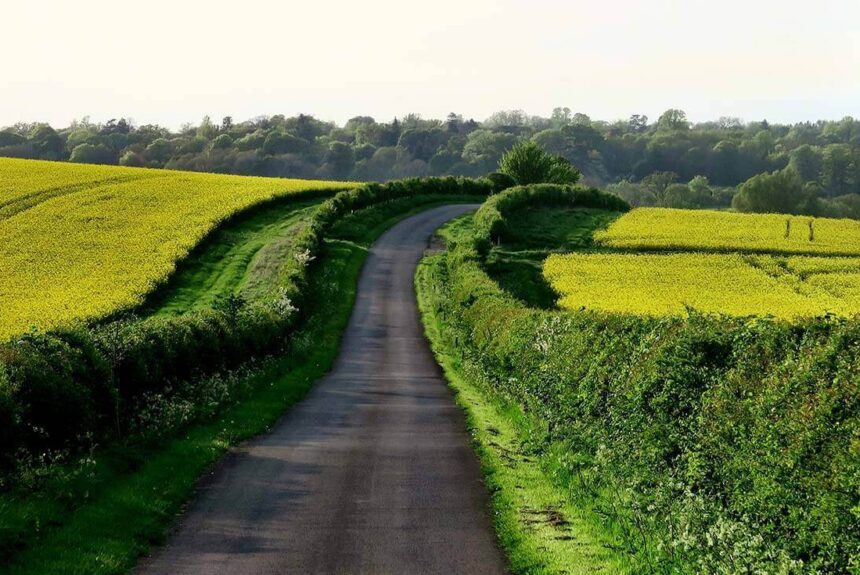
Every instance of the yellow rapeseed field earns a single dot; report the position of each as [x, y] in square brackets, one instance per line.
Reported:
[657, 285]
[80, 242]
[714, 262]
[664, 228]
[809, 265]
[25, 183]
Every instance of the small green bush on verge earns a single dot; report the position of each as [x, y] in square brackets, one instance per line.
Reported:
[527, 163]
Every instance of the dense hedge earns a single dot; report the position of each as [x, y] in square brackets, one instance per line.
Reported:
[714, 445]
[491, 218]
[66, 389]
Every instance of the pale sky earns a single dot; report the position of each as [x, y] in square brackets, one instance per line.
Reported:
[172, 61]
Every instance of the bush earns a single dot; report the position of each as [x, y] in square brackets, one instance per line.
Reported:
[501, 181]
[10, 417]
[51, 384]
[527, 163]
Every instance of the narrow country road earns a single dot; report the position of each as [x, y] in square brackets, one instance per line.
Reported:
[371, 473]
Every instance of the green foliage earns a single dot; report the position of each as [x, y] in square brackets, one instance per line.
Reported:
[806, 162]
[8, 138]
[839, 168]
[658, 183]
[92, 154]
[46, 142]
[222, 142]
[711, 445]
[159, 151]
[527, 163]
[698, 193]
[779, 192]
[252, 141]
[501, 181]
[672, 120]
[282, 142]
[485, 147]
[132, 159]
[492, 218]
[339, 160]
[562, 172]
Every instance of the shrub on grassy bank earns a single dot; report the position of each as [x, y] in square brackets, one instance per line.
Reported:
[527, 163]
[65, 390]
[713, 445]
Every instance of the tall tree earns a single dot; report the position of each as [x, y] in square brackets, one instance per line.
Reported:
[638, 123]
[806, 161]
[658, 183]
[837, 169]
[673, 120]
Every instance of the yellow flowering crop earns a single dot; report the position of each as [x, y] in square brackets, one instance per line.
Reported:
[657, 285]
[810, 265]
[25, 183]
[80, 242]
[664, 228]
[728, 263]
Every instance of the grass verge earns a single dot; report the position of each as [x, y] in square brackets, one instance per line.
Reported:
[541, 529]
[133, 494]
[239, 258]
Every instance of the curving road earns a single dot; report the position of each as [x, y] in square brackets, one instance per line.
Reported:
[372, 473]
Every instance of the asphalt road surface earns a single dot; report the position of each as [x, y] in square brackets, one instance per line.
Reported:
[371, 473]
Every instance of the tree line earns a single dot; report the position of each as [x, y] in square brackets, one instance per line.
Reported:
[802, 168]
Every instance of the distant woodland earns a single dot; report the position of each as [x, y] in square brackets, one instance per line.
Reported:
[809, 168]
